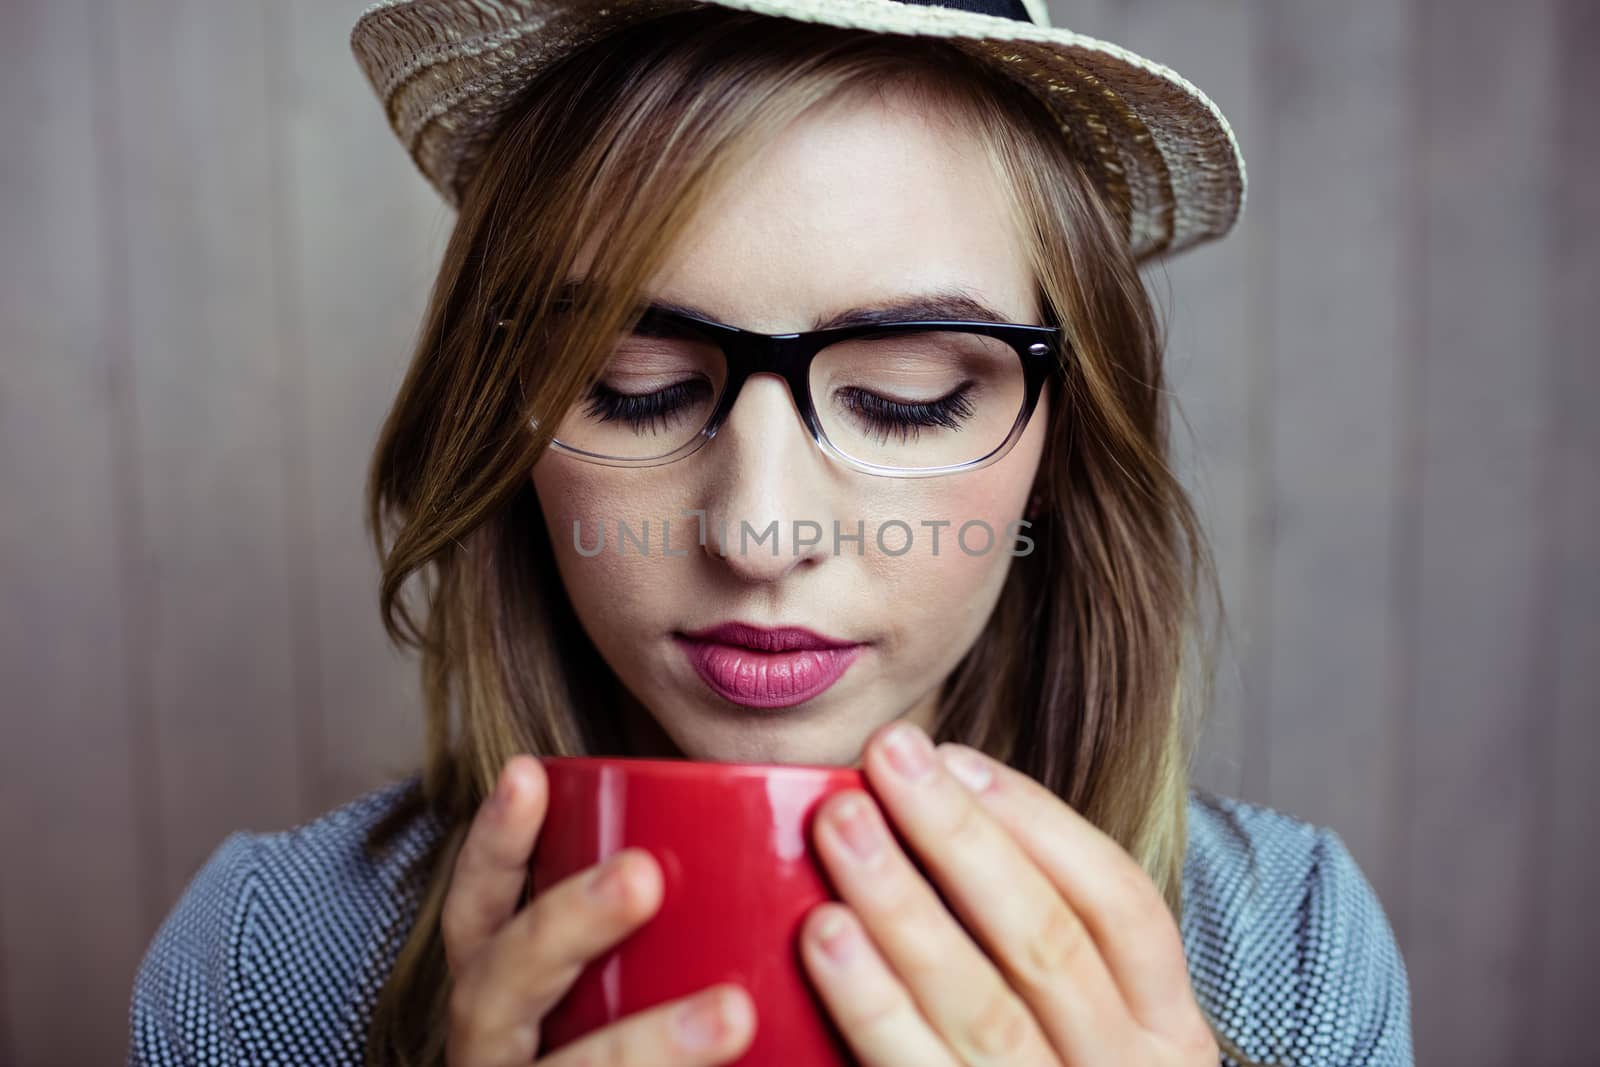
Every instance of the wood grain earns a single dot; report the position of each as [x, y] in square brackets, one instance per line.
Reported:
[206, 388]
[1217, 355]
[74, 806]
[1478, 687]
[1338, 411]
[363, 238]
[1565, 874]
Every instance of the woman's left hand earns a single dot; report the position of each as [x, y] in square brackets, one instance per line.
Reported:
[1080, 961]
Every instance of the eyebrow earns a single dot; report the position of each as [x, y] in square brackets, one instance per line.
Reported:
[948, 304]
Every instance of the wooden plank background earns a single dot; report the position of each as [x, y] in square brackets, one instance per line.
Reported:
[215, 258]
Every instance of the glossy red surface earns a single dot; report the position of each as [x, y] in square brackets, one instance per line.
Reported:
[734, 844]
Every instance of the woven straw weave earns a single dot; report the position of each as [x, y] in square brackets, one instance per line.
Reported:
[448, 70]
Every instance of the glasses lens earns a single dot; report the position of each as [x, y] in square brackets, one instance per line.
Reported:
[916, 400]
[652, 398]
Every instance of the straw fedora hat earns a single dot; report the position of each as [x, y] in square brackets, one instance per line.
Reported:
[448, 70]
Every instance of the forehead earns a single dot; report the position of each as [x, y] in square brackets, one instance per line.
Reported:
[858, 202]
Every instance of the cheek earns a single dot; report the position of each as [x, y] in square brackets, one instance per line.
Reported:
[939, 603]
[614, 593]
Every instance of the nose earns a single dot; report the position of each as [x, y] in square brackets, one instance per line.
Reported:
[770, 497]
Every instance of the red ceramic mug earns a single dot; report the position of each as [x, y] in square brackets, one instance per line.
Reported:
[740, 874]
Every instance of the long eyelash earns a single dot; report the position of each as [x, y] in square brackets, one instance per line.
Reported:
[891, 416]
[608, 405]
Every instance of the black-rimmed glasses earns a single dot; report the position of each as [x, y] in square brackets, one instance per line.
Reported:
[900, 399]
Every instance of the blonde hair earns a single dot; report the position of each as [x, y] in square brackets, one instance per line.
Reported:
[1078, 680]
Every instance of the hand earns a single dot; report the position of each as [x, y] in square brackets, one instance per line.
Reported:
[1077, 959]
[510, 967]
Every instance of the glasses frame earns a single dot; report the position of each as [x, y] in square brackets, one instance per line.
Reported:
[789, 356]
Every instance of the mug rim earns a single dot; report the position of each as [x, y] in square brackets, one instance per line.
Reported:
[689, 768]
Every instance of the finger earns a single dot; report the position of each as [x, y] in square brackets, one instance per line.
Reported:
[872, 1008]
[952, 981]
[713, 1026]
[536, 958]
[1030, 929]
[492, 866]
[1122, 908]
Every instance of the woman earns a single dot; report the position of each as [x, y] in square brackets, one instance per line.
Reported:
[676, 301]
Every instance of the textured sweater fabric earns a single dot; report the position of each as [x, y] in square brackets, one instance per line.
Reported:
[276, 951]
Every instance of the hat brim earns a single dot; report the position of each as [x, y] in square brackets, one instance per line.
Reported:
[448, 70]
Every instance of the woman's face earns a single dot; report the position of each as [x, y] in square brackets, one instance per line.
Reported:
[858, 205]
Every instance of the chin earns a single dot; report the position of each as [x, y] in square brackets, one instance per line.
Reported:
[767, 737]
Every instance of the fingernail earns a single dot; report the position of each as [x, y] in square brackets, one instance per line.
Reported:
[504, 791]
[835, 937]
[910, 752]
[855, 826]
[705, 1022]
[606, 884]
[968, 767]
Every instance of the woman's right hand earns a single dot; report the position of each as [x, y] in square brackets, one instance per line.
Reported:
[510, 966]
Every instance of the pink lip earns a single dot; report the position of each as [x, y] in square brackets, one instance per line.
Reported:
[763, 639]
[767, 668]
